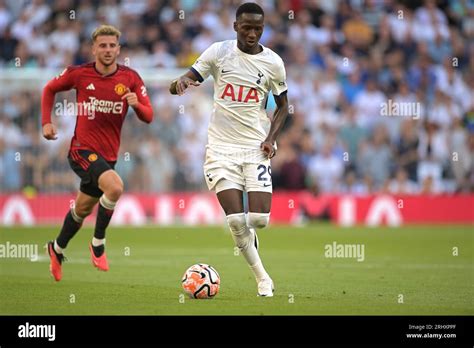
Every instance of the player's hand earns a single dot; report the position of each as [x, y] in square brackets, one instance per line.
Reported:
[268, 149]
[183, 83]
[131, 97]
[49, 131]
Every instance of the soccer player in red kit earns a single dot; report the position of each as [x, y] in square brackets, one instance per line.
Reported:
[104, 91]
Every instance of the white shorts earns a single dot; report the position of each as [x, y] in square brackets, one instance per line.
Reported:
[247, 169]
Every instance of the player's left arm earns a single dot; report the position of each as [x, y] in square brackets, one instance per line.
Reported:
[279, 89]
[138, 99]
[279, 118]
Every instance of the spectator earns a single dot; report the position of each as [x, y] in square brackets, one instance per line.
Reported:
[368, 104]
[22, 28]
[354, 59]
[10, 175]
[292, 172]
[37, 13]
[443, 111]
[461, 158]
[162, 167]
[401, 184]
[352, 185]
[326, 170]
[432, 21]
[352, 86]
[351, 135]
[64, 38]
[375, 157]
[57, 176]
[5, 17]
[358, 32]
[407, 149]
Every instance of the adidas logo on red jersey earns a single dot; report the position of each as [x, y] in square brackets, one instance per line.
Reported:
[91, 87]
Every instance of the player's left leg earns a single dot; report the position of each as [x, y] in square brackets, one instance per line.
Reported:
[110, 183]
[258, 184]
[258, 217]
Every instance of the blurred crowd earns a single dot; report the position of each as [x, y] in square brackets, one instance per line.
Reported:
[381, 92]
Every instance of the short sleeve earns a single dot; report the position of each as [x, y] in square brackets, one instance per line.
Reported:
[205, 63]
[278, 82]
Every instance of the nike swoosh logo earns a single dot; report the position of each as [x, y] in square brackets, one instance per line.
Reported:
[266, 185]
[225, 71]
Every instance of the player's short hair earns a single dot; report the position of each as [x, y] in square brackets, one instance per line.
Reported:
[106, 30]
[249, 7]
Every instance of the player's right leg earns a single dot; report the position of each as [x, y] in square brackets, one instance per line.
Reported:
[72, 223]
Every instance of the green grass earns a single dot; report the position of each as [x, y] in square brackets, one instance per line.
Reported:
[415, 261]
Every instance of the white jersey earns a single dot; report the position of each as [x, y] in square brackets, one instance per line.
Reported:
[242, 83]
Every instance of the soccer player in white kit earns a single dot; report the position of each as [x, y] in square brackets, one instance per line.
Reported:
[241, 137]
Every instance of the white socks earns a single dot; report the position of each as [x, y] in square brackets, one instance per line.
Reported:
[259, 271]
[57, 248]
[107, 203]
[97, 242]
[76, 217]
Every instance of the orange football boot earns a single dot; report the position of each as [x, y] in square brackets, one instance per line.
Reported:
[55, 263]
[99, 262]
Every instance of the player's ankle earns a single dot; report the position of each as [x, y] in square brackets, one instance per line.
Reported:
[57, 249]
[98, 250]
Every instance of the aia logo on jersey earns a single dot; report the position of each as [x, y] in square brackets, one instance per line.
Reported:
[240, 93]
[120, 89]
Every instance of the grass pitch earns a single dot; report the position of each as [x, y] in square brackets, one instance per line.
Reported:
[406, 271]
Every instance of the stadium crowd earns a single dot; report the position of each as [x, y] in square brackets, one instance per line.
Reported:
[381, 92]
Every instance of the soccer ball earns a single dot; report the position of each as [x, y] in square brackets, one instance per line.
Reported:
[201, 281]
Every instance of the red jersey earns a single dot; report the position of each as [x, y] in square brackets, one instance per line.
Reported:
[100, 109]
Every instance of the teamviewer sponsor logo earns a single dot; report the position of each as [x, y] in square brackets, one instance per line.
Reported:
[21, 251]
[105, 106]
[37, 331]
[345, 251]
[89, 108]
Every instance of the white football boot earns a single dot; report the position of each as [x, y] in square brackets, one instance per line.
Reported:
[265, 288]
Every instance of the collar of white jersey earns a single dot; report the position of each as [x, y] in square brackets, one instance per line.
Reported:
[247, 54]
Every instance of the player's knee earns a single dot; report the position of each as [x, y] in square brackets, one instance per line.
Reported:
[82, 210]
[111, 184]
[259, 220]
[79, 214]
[114, 191]
[240, 233]
[237, 223]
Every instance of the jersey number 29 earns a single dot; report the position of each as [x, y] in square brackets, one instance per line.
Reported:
[262, 169]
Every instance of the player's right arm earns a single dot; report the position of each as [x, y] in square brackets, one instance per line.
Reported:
[63, 82]
[201, 69]
[179, 85]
